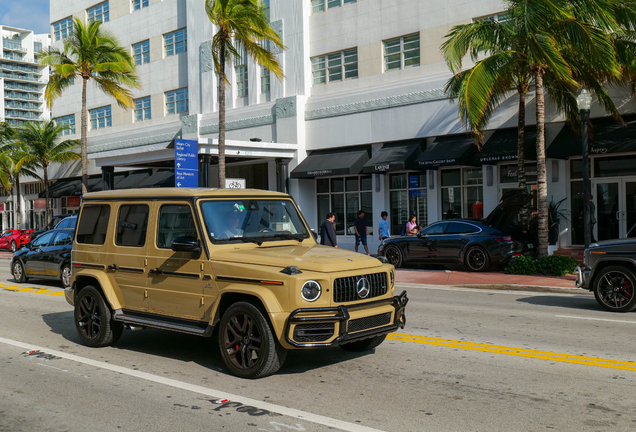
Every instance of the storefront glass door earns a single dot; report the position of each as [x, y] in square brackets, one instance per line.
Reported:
[615, 209]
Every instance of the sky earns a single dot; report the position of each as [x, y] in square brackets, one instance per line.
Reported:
[26, 14]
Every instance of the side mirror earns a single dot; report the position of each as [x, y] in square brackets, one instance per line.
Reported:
[186, 244]
[314, 234]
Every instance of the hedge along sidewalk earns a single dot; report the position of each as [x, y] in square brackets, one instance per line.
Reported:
[553, 265]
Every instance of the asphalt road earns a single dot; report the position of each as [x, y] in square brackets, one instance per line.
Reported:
[469, 360]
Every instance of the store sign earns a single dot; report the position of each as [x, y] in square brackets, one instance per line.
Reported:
[382, 167]
[235, 183]
[39, 204]
[186, 163]
[73, 201]
[438, 162]
[319, 173]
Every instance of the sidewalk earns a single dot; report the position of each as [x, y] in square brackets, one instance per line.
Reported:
[489, 280]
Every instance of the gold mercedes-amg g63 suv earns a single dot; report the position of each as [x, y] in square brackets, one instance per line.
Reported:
[242, 263]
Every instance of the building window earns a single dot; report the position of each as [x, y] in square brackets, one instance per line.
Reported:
[69, 121]
[101, 117]
[319, 5]
[141, 52]
[333, 67]
[138, 4]
[266, 7]
[265, 81]
[177, 101]
[176, 42]
[241, 81]
[500, 17]
[462, 193]
[408, 197]
[63, 28]
[98, 13]
[345, 196]
[142, 109]
[402, 52]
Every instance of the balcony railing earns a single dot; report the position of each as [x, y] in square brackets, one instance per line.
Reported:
[9, 75]
[19, 86]
[12, 44]
[23, 96]
[19, 68]
[23, 105]
[21, 114]
[14, 56]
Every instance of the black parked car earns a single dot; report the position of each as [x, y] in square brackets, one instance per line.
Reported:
[46, 257]
[476, 244]
[609, 269]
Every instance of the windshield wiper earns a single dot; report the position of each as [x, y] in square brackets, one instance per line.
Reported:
[298, 237]
[241, 239]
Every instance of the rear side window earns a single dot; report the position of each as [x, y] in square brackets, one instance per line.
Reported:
[93, 224]
[174, 221]
[460, 228]
[132, 224]
[69, 222]
[62, 238]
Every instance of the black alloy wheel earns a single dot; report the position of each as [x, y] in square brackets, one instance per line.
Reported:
[247, 344]
[93, 319]
[14, 246]
[393, 255]
[614, 289]
[477, 259]
[363, 345]
[65, 275]
[18, 272]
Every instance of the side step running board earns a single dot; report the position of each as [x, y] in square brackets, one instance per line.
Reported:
[157, 323]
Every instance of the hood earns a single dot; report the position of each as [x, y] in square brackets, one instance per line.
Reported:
[622, 245]
[311, 258]
[505, 214]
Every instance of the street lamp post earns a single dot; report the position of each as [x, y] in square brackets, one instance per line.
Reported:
[584, 102]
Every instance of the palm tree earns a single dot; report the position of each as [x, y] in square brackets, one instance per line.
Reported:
[242, 25]
[91, 54]
[43, 146]
[14, 163]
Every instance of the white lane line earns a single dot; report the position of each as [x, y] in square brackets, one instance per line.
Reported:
[217, 394]
[595, 319]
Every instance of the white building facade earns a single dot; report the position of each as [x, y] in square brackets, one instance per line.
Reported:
[360, 121]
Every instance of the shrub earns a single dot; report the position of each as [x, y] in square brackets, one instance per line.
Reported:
[521, 265]
[556, 265]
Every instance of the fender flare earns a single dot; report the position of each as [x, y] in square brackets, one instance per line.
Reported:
[265, 296]
[102, 280]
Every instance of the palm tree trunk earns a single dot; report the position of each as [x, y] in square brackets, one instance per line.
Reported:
[46, 194]
[222, 118]
[542, 185]
[521, 160]
[18, 216]
[83, 139]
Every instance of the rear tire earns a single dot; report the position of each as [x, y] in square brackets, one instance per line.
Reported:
[393, 255]
[94, 319]
[363, 345]
[18, 272]
[477, 259]
[614, 289]
[65, 276]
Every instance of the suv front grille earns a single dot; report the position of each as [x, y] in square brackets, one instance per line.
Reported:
[344, 289]
[313, 332]
[366, 323]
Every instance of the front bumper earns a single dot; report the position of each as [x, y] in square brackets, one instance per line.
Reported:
[323, 326]
[583, 277]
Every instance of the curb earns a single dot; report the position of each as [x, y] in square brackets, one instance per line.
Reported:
[510, 287]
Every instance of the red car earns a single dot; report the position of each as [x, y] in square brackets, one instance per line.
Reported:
[15, 239]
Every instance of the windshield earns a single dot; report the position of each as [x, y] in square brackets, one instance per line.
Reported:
[251, 220]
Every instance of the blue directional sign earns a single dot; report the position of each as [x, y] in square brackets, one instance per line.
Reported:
[186, 163]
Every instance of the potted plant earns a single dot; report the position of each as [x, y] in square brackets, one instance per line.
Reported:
[555, 214]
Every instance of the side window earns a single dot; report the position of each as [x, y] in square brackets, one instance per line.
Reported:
[43, 240]
[63, 238]
[174, 221]
[132, 224]
[460, 228]
[437, 228]
[65, 223]
[93, 224]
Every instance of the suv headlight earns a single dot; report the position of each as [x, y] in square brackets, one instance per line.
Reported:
[593, 245]
[392, 278]
[311, 290]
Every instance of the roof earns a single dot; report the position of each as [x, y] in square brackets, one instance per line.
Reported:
[181, 192]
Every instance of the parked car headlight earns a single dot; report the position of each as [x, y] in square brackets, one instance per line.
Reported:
[594, 245]
[392, 278]
[311, 290]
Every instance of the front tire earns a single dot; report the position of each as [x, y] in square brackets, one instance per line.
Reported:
[14, 246]
[363, 345]
[247, 344]
[394, 256]
[18, 272]
[94, 320]
[65, 276]
[477, 259]
[614, 289]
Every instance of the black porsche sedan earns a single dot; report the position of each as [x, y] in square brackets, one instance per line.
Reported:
[476, 244]
[46, 257]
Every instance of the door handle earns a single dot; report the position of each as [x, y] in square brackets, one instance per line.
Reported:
[618, 215]
[154, 271]
[112, 267]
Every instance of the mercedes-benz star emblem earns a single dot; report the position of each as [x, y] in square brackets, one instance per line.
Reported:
[363, 287]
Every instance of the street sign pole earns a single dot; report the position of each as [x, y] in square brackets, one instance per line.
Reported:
[186, 163]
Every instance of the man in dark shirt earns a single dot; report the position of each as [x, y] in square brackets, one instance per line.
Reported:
[327, 231]
[360, 225]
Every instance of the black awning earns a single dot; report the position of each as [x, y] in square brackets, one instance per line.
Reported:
[72, 187]
[162, 178]
[502, 146]
[606, 136]
[448, 150]
[133, 179]
[395, 157]
[345, 161]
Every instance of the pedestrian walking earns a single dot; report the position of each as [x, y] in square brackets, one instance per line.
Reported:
[360, 225]
[327, 231]
[383, 226]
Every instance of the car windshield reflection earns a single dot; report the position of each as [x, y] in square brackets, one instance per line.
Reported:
[252, 221]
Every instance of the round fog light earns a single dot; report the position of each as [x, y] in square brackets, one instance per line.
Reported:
[311, 290]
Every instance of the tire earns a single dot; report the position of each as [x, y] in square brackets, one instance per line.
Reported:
[394, 256]
[14, 246]
[18, 272]
[363, 345]
[65, 276]
[94, 320]
[477, 259]
[244, 333]
[614, 289]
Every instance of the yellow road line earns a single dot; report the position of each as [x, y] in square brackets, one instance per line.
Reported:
[32, 290]
[518, 352]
